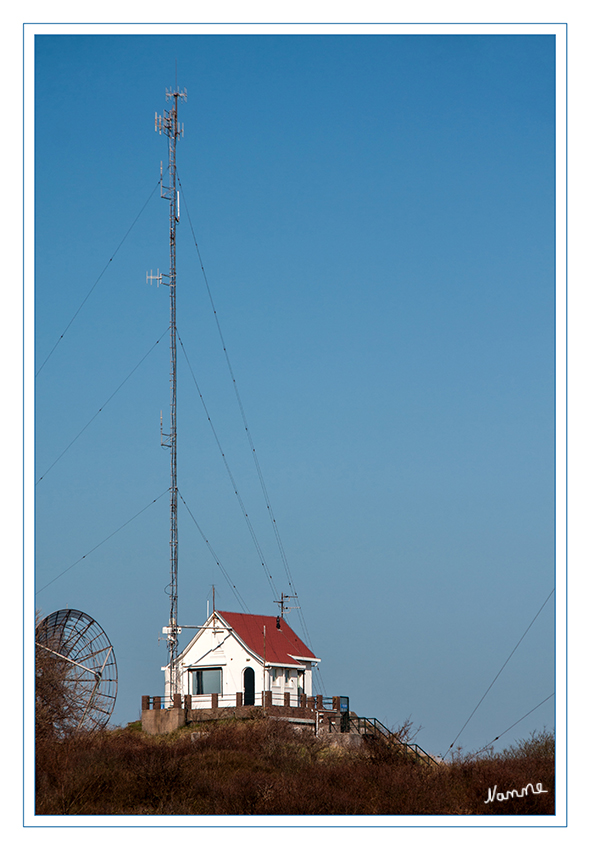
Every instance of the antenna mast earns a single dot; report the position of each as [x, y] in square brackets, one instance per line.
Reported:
[168, 123]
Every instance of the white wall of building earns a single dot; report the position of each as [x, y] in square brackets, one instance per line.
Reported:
[218, 647]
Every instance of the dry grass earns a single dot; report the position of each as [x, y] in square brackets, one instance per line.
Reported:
[266, 767]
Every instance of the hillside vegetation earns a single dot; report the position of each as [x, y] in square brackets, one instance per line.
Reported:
[265, 767]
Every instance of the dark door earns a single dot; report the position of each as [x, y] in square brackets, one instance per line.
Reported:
[248, 686]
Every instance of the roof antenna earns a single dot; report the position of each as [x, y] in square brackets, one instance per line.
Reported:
[281, 603]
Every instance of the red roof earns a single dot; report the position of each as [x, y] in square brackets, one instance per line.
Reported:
[283, 647]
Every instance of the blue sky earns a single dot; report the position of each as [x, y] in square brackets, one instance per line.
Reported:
[375, 216]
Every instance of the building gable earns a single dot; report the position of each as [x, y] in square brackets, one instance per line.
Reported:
[258, 634]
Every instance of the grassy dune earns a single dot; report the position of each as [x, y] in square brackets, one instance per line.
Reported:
[265, 767]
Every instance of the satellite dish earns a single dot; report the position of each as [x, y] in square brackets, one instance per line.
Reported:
[88, 673]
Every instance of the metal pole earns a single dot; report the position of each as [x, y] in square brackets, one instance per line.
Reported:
[169, 123]
[264, 669]
[173, 646]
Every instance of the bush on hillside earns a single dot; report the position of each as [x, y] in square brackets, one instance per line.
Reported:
[267, 767]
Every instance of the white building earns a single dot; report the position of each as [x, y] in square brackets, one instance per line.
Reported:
[238, 656]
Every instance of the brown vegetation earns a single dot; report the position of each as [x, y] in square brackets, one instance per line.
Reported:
[266, 767]
[52, 706]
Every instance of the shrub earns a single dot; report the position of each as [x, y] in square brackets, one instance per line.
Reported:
[266, 767]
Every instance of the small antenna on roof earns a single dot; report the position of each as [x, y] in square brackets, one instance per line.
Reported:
[281, 603]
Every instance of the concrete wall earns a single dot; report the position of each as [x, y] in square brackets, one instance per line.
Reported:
[341, 739]
[160, 721]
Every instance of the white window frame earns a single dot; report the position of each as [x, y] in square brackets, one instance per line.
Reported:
[194, 671]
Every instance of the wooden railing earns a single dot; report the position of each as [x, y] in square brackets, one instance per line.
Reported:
[260, 698]
[372, 727]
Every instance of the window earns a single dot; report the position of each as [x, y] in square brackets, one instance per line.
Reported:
[206, 681]
[276, 674]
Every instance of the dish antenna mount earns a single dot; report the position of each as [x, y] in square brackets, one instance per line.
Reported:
[89, 675]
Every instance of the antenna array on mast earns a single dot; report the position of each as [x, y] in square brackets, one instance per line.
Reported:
[168, 123]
